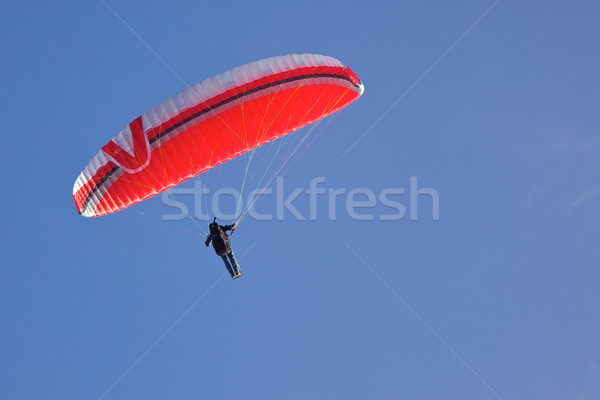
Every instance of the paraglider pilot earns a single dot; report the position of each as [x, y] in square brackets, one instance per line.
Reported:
[220, 240]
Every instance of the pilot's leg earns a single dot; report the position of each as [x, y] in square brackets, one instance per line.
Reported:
[234, 264]
[229, 269]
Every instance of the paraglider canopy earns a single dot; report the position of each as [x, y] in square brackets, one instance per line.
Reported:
[211, 122]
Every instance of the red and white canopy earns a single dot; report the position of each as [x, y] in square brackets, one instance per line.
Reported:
[211, 122]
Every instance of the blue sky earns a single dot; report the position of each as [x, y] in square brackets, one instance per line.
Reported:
[497, 299]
